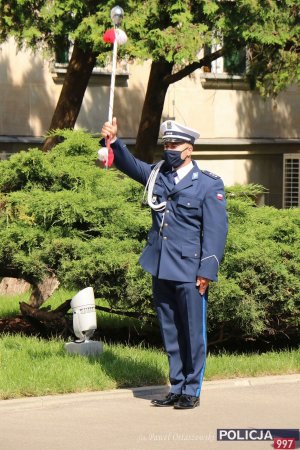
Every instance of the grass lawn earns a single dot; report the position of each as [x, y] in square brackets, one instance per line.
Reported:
[30, 366]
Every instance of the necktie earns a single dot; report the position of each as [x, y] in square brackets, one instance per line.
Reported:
[174, 175]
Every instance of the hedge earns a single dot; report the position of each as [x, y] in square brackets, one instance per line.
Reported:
[60, 213]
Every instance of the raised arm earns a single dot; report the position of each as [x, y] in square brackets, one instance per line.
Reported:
[124, 160]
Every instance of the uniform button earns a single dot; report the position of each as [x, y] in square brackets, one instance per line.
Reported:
[196, 254]
[169, 198]
[188, 203]
[165, 238]
[166, 224]
[167, 211]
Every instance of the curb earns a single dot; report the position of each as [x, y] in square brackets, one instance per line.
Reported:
[140, 392]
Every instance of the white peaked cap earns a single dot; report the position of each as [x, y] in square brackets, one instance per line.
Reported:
[172, 131]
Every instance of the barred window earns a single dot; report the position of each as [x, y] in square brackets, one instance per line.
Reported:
[291, 185]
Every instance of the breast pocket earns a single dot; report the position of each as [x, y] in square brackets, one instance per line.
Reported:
[189, 207]
[188, 203]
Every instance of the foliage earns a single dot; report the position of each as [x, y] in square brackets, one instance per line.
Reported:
[58, 211]
[270, 30]
[259, 284]
[52, 24]
[172, 31]
[176, 31]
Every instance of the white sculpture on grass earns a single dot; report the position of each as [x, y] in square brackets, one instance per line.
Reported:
[84, 314]
[84, 324]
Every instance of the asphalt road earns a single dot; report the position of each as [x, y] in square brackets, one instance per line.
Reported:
[124, 419]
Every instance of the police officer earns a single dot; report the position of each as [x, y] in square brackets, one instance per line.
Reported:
[184, 248]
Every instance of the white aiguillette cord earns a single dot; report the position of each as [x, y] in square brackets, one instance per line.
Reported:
[150, 186]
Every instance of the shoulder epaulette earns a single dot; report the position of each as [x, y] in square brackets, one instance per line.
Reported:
[210, 174]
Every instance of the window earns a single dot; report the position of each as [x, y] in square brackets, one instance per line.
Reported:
[226, 72]
[234, 64]
[291, 181]
[63, 52]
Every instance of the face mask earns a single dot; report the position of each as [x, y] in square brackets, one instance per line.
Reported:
[173, 158]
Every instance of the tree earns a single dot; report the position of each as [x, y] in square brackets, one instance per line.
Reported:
[171, 34]
[69, 103]
[50, 26]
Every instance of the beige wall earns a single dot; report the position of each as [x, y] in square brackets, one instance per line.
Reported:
[243, 166]
[224, 113]
[29, 92]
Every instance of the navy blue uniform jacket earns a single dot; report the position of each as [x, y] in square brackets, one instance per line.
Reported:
[192, 239]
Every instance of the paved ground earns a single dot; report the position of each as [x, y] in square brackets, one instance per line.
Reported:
[125, 420]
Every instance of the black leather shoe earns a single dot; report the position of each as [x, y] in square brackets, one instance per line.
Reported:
[169, 400]
[187, 402]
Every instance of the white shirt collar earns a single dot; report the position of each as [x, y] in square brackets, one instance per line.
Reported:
[183, 171]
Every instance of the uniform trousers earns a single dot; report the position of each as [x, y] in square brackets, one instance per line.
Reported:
[181, 312]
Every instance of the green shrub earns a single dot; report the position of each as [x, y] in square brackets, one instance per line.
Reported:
[258, 293]
[60, 212]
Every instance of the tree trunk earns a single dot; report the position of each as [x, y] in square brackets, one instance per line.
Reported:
[47, 322]
[160, 78]
[43, 290]
[152, 110]
[76, 80]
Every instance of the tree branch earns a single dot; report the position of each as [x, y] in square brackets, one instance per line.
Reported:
[206, 60]
[119, 312]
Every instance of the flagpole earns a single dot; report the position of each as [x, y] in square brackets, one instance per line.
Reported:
[116, 15]
[113, 80]
[114, 36]
[112, 90]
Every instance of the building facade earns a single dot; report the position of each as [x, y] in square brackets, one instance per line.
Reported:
[244, 138]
